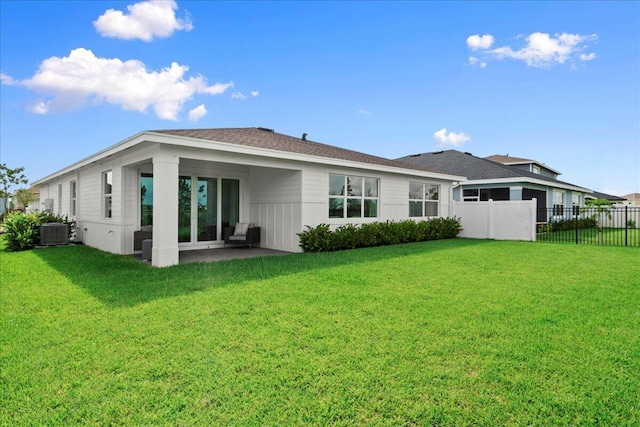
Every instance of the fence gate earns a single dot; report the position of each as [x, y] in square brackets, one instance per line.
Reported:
[602, 225]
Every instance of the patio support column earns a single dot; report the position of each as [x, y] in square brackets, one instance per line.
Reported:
[165, 210]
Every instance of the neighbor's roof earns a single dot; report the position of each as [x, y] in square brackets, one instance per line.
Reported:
[477, 168]
[632, 196]
[609, 197]
[267, 138]
[509, 160]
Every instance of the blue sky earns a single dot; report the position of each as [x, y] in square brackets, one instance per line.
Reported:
[558, 82]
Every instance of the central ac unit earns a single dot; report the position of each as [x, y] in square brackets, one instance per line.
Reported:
[54, 233]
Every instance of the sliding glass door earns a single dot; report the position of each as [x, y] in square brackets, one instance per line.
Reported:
[205, 206]
[184, 209]
[207, 209]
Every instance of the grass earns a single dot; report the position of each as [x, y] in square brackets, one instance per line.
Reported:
[455, 332]
[591, 236]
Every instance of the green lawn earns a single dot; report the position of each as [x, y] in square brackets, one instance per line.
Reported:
[591, 236]
[455, 332]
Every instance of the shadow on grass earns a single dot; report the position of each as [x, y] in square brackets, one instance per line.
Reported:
[121, 281]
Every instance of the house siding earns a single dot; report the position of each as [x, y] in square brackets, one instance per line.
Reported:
[276, 206]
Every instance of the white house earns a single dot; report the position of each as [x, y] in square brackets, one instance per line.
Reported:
[189, 184]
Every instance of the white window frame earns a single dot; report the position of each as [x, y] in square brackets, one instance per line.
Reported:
[73, 194]
[536, 169]
[558, 203]
[425, 199]
[60, 199]
[107, 194]
[363, 198]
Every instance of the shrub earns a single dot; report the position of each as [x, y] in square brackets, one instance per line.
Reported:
[570, 224]
[349, 236]
[22, 230]
[631, 223]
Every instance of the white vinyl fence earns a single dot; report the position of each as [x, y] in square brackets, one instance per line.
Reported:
[499, 220]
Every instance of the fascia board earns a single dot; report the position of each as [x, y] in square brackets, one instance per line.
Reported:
[529, 180]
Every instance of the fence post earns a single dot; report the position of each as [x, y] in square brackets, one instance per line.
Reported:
[576, 211]
[626, 225]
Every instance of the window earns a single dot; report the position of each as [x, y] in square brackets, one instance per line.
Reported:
[558, 203]
[576, 199]
[470, 195]
[73, 187]
[536, 169]
[423, 199]
[107, 188]
[485, 194]
[494, 194]
[146, 199]
[353, 196]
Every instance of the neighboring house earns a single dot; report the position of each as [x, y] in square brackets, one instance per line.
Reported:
[504, 178]
[35, 205]
[632, 199]
[189, 184]
[597, 195]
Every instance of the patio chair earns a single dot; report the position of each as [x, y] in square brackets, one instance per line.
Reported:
[242, 234]
[145, 232]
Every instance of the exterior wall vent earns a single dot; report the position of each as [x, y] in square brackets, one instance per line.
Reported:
[54, 233]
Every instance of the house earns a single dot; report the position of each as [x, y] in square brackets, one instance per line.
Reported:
[503, 178]
[632, 199]
[188, 184]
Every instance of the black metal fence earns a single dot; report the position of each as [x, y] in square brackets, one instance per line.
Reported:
[616, 226]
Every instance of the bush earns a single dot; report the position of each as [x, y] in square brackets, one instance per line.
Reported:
[22, 230]
[570, 224]
[349, 236]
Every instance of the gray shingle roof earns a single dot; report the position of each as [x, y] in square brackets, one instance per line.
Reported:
[267, 138]
[474, 168]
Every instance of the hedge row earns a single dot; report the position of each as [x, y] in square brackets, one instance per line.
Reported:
[570, 224]
[22, 230]
[322, 239]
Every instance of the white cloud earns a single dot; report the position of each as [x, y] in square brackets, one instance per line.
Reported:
[589, 57]
[40, 107]
[475, 61]
[255, 93]
[366, 112]
[542, 50]
[6, 79]
[197, 113]
[238, 95]
[451, 138]
[144, 20]
[477, 41]
[82, 78]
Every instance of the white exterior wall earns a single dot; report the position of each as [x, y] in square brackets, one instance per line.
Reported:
[93, 229]
[275, 206]
[500, 220]
[393, 196]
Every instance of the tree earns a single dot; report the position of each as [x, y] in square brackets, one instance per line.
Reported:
[24, 197]
[9, 178]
